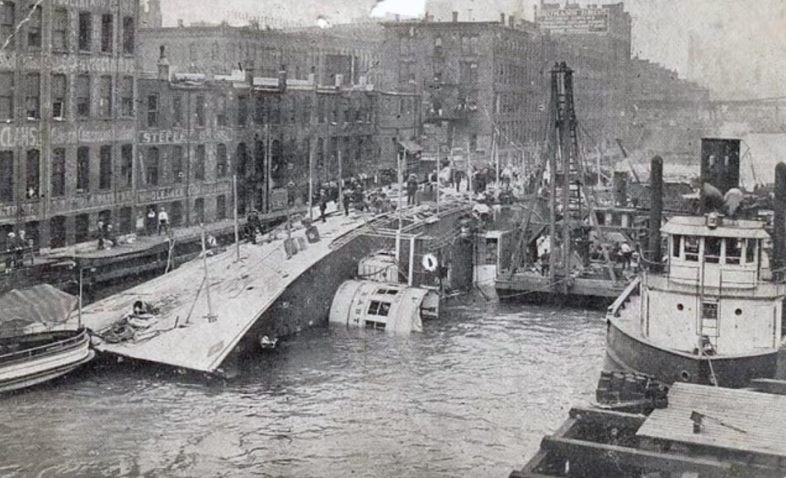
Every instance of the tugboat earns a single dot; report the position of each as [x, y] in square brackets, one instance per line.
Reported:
[712, 310]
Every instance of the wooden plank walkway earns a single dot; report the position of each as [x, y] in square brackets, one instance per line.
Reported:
[739, 420]
[240, 292]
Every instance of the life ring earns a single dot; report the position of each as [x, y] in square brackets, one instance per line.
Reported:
[430, 262]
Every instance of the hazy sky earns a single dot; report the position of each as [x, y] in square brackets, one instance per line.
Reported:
[741, 43]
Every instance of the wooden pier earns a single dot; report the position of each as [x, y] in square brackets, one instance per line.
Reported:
[704, 431]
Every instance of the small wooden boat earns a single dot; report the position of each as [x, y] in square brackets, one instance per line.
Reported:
[38, 339]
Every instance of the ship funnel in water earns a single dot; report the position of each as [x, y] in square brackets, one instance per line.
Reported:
[720, 171]
[779, 223]
[656, 211]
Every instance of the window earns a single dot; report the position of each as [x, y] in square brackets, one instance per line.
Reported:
[199, 210]
[151, 167]
[106, 33]
[438, 46]
[82, 169]
[177, 164]
[221, 160]
[152, 111]
[34, 28]
[58, 96]
[105, 167]
[58, 172]
[32, 170]
[387, 291]
[127, 96]
[128, 35]
[177, 110]
[712, 250]
[82, 228]
[307, 111]
[105, 97]
[221, 111]
[200, 110]
[33, 96]
[321, 109]
[734, 250]
[6, 95]
[750, 251]
[379, 308]
[85, 31]
[709, 310]
[275, 113]
[7, 22]
[60, 29]
[691, 246]
[404, 46]
[199, 163]
[242, 110]
[6, 176]
[126, 165]
[469, 72]
[676, 242]
[83, 96]
[293, 111]
[221, 207]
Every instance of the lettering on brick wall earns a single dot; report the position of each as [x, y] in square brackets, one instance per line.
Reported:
[18, 136]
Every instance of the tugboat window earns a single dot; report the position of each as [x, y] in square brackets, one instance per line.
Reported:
[734, 250]
[676, 242]
[738, 312]
[680, 307]
[691, 245]
[709, 310]
[750, 251]
[712, 250]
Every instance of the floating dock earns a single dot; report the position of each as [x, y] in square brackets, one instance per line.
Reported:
[703, 431]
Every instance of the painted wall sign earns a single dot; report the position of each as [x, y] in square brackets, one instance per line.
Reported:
[161, 194]
[12, 136]
[574, 20]
[180, 136]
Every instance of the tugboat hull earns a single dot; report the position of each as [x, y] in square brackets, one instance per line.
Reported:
[629, 353]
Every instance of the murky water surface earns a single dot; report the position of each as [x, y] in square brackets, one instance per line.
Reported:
[471, 396]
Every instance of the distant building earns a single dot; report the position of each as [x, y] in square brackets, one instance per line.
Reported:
[595, 41]
[67, 118]
[346, 51]
[150, 14]
[476, 82]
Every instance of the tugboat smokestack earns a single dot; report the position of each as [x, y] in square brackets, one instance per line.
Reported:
[779, 222]
[656, 211]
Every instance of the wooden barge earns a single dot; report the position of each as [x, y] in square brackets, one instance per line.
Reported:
[702, 431]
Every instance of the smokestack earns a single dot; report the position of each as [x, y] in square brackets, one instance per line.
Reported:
[656, 211]
[455, 16]
[779, 222]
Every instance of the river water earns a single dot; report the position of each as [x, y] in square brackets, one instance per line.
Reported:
[470, 396]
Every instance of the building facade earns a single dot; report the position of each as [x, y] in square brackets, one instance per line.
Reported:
[477, 83]
[67, 117]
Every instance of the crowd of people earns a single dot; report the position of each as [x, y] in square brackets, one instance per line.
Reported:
[16, 246]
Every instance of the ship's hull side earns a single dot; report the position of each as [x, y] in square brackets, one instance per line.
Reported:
[630, 353]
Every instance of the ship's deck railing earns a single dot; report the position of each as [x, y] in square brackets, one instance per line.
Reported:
[757, 289]
[41, 350]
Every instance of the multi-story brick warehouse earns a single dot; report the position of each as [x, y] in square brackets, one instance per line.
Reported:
[476, 81]
[351, 50]
[67, 116]
[185, 139]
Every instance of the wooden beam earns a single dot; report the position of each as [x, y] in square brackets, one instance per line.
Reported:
[608, 417]
[766, 385]
[651, 461]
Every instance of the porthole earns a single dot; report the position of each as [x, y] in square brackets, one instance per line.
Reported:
[685, 376]
[738, 312]
[680, 307]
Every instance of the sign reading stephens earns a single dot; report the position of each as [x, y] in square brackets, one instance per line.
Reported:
[574, 20]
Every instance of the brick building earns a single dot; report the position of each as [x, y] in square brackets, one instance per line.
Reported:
[67, 117]
[185, 139]
[475, 80]
[350, 51]
[595, 41]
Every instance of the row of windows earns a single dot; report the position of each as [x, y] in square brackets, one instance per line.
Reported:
[716, 250]
[267, 110]
[408, 45]
[155, 158]
[30, 17]
[60, 168]
[61, 96]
